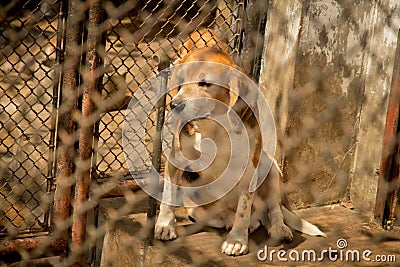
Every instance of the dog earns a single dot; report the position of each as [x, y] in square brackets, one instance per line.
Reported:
[240, 210]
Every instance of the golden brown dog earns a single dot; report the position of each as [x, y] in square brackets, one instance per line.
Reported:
[239, 210]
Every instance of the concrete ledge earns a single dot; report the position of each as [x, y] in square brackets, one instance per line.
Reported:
[195, 246]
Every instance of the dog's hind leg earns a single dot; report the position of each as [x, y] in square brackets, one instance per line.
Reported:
[271, 193]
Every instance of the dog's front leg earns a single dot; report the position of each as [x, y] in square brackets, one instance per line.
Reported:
[165, 225]
[277, 230]
[238, 238]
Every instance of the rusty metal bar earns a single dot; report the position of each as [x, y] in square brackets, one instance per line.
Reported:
[31, 243]
[389, 168]
[38, 262]
[83, 176]
[66, 124]
[96, 136]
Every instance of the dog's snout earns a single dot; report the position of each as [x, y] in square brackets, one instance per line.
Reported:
[177, 105]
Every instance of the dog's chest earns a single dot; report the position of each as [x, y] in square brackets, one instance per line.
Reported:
[228, 158]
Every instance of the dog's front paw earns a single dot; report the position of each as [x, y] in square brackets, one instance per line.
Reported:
[235, 247]
[280, 233]
[165, 232]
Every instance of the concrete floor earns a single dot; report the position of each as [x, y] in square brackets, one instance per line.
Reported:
[123, 245]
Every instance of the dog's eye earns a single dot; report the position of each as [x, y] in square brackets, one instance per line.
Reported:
[204, 84]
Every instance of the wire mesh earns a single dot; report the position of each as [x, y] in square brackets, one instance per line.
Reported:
[28, 55]
[151, 28]
[67, 194]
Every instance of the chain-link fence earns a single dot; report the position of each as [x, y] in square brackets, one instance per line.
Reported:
[70, 69]
[28, 102]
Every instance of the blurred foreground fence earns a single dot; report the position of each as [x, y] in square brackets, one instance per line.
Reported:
[69, 69]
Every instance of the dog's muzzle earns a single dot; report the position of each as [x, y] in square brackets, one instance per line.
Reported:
[192, 109]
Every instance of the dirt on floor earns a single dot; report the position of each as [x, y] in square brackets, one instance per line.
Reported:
[353, 240]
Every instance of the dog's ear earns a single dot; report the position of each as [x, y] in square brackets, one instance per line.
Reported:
[233, 118]
[242, 87]
[242, 99]
[233, 91]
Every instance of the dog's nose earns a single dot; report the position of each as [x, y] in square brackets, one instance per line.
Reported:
[177, 105]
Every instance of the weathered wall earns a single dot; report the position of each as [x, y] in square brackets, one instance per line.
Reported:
[327, 70]
[384, 26]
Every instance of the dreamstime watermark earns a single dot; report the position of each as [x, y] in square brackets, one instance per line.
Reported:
[200, 105]
[340, 254]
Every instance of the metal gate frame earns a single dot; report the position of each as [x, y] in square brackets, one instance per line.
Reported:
[55, 242]
[61, 238]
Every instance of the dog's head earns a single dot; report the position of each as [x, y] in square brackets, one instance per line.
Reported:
[198, 81]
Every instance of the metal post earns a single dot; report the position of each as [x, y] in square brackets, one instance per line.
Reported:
[156, 160]
[83, 176]
[66, 124]
[251, 45]
[388, 184]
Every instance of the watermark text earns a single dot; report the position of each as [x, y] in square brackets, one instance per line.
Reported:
[341, 254]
